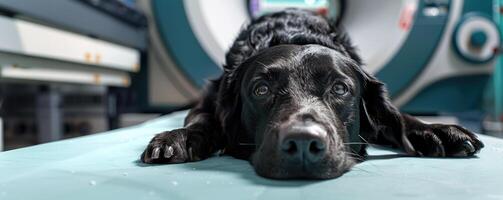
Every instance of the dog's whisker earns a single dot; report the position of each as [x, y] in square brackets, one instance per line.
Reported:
[360, 169]
[376, 171]
[363, 138]
[355, 156]
[355, 143]
[366, 141]
[359, 159]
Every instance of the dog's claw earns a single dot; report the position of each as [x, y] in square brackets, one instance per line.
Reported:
[169, 151]
[155, 153]
[469, 147]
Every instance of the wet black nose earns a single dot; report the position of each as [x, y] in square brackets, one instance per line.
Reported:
[304, 142]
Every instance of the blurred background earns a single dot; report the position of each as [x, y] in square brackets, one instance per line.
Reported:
[70, 68]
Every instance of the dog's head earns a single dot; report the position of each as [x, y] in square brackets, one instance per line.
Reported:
[299, 103]
[301, 106]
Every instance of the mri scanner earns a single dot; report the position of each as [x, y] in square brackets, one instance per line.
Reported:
[434, 55]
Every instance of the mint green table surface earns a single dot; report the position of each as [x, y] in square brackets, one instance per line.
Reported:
[106, 166]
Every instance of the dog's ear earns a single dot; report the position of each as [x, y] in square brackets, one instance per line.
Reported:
[228, 103]
[228, 111]
[379, 118]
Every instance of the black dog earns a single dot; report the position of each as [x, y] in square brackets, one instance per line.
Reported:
[295, 100]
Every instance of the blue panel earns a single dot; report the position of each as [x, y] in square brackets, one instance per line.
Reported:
[415, 53]
[498, 88]
[498, 75]
[481, 6]
[455, 94]
[181, 42]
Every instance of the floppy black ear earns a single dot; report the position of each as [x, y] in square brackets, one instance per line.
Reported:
[380, 120]
[228, 110]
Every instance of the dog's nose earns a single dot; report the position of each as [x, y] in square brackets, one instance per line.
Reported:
[303, 142]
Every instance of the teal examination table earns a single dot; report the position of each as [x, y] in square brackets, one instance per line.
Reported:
[106, 166]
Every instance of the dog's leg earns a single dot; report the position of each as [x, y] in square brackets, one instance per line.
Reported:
[198, 139]
[388, 126]
[440, 140]
[417, 138]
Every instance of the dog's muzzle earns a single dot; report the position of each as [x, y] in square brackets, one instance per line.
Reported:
[302, 143]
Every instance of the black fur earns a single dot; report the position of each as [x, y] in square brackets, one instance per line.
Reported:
[301, 59]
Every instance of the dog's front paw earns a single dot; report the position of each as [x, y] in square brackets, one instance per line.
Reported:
[171, 147]
[439, 140]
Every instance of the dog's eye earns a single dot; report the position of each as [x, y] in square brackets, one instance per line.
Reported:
[340, 88]
[261, 90]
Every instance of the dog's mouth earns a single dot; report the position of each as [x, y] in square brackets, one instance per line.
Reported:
[302, 151]
[272, 166]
